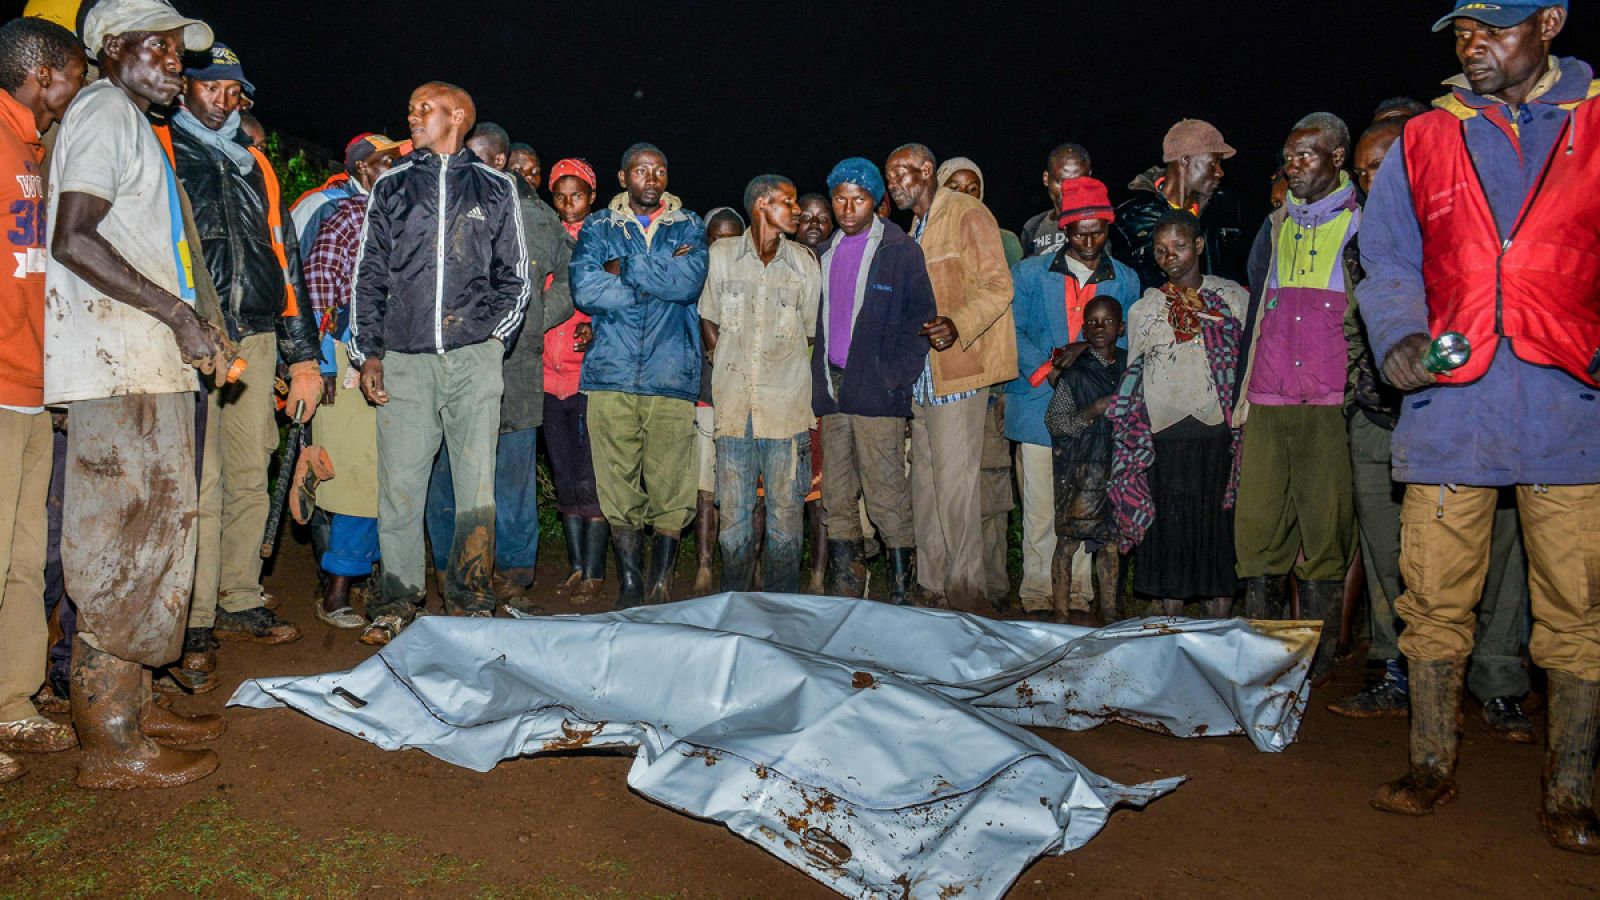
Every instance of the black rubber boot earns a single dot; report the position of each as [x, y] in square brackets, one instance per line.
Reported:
[1266, 597]
[1567, 812]
[629, 545]
[573, 528]
[663, 560]
[596, 537]
[1323, 601]
[846, 572]
[1435, 737]
[902, 575]
[705, 541]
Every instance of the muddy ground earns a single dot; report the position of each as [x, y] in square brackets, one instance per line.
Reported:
[299, 809]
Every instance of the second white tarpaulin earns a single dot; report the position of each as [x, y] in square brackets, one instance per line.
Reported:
[877, 748]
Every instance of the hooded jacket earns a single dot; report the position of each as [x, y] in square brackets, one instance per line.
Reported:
[230, 210]
[442, 263]
[1221, 224]
[893, 298]
[646, 327]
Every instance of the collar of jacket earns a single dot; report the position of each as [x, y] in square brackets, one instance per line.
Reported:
[426, 157]
[20, 120]
[1574, 83]
[671, 208]
[1103, 270]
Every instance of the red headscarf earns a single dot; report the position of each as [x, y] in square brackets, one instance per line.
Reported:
[575, 167]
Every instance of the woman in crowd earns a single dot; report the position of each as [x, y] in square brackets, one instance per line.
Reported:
[1173, 474]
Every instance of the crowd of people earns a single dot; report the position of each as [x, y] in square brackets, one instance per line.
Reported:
[1252, 426]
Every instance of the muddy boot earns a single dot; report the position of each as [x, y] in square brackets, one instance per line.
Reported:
[902, 575]
[1323, 601]
[196, 669]
[1219, 608]
[1108, 584]
[846, 574]
[1386, 698]
[596, 537]
[1172, 607]
[629, 546]
[1435, 733]
[705, 541]
[819, 547]
[663, 561]
[260, 625]
[164, 726]
[1568, 811]
[106, 706]
[573, 528]
[1266, 597]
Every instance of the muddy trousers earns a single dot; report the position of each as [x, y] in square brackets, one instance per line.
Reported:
[56, 601]
[645, 467]
[865, 459]
[241, 435]
[1444, 558]
[25, 462]
[516, 504]
[784, 466]
[1496, 668]
[1294, 492]
[453, 400]
[947, 510]
[128, 522]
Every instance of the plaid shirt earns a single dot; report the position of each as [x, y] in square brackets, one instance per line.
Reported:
[331, 265]
[922, 392]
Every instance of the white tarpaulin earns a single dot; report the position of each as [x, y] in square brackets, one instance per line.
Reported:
[874, 747]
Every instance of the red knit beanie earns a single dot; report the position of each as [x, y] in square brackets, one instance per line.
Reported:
[1085, 198]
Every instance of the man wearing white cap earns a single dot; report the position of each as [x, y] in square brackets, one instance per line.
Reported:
[121, 334]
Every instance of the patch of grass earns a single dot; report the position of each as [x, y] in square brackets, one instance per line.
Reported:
[206, 849]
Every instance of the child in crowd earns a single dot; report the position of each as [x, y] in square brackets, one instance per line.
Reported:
[1080, 443]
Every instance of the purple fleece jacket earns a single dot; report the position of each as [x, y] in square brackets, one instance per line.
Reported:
[1520, 423]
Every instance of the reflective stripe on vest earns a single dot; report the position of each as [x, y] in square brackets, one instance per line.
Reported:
[1539, 288]
[291, 303]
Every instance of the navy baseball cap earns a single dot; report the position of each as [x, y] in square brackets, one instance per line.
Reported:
[1504, 14]
[222, 65]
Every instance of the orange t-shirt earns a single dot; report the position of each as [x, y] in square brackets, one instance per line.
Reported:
[22, 203]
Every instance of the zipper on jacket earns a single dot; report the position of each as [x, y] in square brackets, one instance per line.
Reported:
[236, 289]
[438, 265]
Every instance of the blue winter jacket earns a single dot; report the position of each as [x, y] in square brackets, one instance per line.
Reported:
[1039, 307]
[1520, 423]
[646, 326]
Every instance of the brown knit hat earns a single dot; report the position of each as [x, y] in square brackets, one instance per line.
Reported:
[1193, 137]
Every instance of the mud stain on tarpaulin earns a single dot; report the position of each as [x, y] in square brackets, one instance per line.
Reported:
[573, 737]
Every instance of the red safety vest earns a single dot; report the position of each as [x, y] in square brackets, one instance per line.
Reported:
[1539, 289]
[291, 303]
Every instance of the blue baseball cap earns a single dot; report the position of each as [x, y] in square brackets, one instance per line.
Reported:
[222, 64]
[1501, 15]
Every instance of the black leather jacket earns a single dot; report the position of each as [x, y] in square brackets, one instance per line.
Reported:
[1221, 224]
[230, 211]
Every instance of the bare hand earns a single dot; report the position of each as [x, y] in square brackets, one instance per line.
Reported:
[199, 341]
[683, 250]
[1064, 357]
[330, 389]
[1099, 407]
[372, 382]
[1404, 367]
[582, 337]
[614, 267]
[940, 332]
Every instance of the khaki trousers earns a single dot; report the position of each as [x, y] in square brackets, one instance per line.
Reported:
[1444, 558]
[241, 436]
[864, 459]
[646, 467]
[25, 463]
[946, 459]
[1036, 483]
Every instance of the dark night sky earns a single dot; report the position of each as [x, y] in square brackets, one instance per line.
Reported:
[733, 89]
